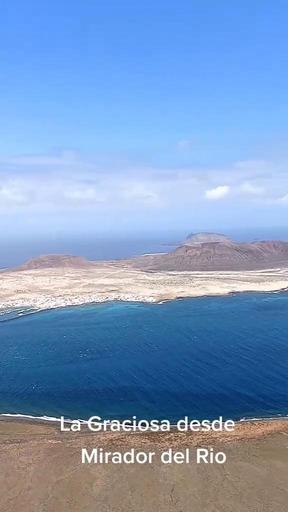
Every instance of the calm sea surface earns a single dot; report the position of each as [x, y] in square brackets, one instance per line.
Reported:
[200, 357]
[15, 250]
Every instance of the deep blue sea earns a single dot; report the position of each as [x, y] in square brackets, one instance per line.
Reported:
[199, 357]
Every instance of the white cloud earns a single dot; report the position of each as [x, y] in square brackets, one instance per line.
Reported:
[251, 165]
[141, 192]
[66, 181]
[84, 194]
[283, 199]
[217, 192]
[10, 194]
[61, 158]
[251, 188]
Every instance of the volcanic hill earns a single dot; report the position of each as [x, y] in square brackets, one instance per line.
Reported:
[214, 252]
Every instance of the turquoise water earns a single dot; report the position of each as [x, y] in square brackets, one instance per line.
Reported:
[200, 357]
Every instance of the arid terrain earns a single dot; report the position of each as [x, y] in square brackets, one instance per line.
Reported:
[41, 470]
[43, 288]
[214, 252]
[204, 264]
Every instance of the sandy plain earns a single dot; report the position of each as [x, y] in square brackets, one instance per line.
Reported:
[41, 470]
[57, 287]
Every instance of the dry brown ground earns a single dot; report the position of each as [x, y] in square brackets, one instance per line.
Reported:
[41, 471]
[56, 287]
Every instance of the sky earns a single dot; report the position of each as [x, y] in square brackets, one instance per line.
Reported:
[141, 117]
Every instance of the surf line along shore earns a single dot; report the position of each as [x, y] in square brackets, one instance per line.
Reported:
[96, 424]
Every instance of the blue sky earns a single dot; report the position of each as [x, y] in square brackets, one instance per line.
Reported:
[125, 116]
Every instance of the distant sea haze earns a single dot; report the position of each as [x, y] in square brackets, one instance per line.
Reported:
[205, 357]
[14, 251]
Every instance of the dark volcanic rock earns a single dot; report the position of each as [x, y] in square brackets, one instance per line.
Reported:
[202, 254]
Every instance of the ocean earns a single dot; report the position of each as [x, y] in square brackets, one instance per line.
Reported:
[16, 250]
[201, 357]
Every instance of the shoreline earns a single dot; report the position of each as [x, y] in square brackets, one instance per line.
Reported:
[30, 419]
[47, 289]
[14, 431]
[30, 311]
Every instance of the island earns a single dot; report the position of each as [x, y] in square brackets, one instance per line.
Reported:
[204, 264]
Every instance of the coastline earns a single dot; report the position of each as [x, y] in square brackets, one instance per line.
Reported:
[30, 419]
[28, 311]
[244, 430]
[47, 289]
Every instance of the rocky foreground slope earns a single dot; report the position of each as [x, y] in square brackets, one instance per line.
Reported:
[41, 470]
